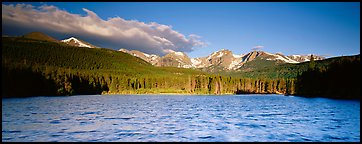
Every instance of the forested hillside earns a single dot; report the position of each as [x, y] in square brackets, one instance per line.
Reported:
[339, 79]
[31, 67]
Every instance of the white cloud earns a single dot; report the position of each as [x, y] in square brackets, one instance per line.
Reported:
[114, 32]
[257, 47]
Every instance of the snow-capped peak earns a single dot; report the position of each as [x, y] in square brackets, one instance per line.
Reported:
[295, 56]
[179, 53]
[195, 62]
[76, 42]
[220, 54]
[237, 56]
[304, 58]
[279, 56]
[223, 58]
[147, 55]
[123, 50]
[210, 56]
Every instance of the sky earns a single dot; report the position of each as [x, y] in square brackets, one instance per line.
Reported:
[197, 28]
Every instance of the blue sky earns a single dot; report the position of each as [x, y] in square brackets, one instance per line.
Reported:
[326, 28]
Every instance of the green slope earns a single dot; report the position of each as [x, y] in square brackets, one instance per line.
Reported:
[17, 50]
[31, 67]
[36, 67]
[39, 36]
[99, 70]
[21, 51]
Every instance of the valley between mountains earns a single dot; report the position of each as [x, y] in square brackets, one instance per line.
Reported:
[38, 64]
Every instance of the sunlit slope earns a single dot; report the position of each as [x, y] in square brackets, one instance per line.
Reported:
[23, 51]
[40, 36]
[270, 69]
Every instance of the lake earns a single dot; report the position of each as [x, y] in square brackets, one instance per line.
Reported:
[189, 118]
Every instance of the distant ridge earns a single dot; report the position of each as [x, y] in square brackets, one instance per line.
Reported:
[220, 60]
[40, 36]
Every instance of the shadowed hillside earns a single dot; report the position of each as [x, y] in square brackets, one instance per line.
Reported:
[340, 79]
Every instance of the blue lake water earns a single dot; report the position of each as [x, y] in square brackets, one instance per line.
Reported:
[245, 118]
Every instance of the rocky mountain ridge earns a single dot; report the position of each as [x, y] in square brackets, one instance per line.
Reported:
[223, 58]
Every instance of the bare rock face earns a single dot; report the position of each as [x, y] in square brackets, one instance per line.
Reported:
[176, 59]
[252, 55]
[221, 58]
[150, 58]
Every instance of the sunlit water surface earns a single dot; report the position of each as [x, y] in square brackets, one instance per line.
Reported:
[180, 118]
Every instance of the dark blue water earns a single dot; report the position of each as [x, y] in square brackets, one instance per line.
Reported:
[180, 118]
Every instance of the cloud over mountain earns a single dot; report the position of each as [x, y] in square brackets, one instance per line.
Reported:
[114, 32]
[258, 47]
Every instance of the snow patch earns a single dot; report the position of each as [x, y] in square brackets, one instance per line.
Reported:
[237, 56]
[220, 54]
[296, 56]
[289, 60]
[123, 50]
[209, 57]
[233, 64]
[154, 57]
[179, 53]
[195, 62]
[278, 57]
[147, 55]
[77, 42]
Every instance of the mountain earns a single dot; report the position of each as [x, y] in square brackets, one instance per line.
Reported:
[77, 42]
[35, 68]
[223, 60]
[40, 36]
[150, 58]
[176, 59]
[277, 57]
[304, 58]
[70, 41]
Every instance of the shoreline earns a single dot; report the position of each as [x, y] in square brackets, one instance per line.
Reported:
[180, 94]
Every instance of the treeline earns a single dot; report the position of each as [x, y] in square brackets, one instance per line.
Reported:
[272, 69]
[53, 81]
[32, 81]
[199, 84]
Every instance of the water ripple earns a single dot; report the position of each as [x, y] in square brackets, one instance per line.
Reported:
[180, 118]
